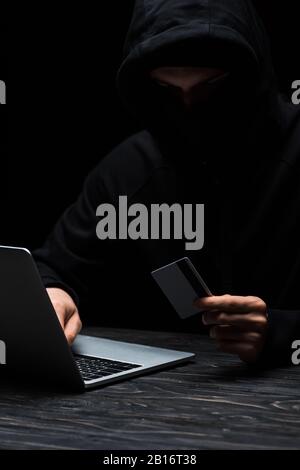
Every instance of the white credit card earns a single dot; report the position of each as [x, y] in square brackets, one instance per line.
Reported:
[182, 285]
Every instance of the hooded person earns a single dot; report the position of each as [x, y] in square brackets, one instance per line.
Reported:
[236, 150]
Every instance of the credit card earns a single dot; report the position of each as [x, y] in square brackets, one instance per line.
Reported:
[182, 285]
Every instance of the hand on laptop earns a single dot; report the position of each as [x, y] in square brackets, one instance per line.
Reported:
[239, 324]
[66, 311]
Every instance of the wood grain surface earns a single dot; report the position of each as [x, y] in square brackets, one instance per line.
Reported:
[213, 402]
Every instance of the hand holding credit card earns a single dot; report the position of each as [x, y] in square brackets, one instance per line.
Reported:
[182, 285]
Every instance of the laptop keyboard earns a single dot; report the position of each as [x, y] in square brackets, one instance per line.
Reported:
[92, 368]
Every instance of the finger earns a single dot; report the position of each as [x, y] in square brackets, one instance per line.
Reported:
[252, 321]
[231, 333]
[237, 348]
[247, 352]
[72, 328]
[230, 303]
[61, 315]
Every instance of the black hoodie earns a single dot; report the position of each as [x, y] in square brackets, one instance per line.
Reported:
[240, 156]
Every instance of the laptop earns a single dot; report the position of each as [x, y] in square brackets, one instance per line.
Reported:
[36, 346]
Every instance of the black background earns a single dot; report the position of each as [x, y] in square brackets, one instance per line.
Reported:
[3, 77]
[64, 112]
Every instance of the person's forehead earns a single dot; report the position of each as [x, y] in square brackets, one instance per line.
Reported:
[179, 75]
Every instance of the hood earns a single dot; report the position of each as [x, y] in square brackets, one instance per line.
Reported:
[213, 33]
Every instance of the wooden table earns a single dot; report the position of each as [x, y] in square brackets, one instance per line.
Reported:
[214, 402]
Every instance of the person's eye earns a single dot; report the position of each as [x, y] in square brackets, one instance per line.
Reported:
[165, 85]
[218, 79]
[162, 84]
